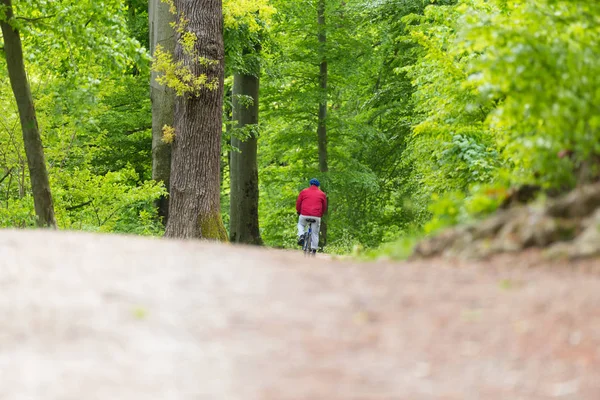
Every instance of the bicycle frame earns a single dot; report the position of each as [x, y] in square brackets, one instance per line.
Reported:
[307, 247]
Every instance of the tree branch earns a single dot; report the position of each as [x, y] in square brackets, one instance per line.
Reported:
[6, 175]
[36, 19]
[79, 206]
[143, 128]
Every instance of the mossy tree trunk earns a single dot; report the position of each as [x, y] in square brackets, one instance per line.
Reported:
[244, 226]
[40, 185]
[162, 97]
[194, 206]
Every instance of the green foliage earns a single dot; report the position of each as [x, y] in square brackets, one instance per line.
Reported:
[504, 93]
[18, 213]
[365, 138]
[247, 13]
[435, 110]
[137, 21]
[400, 249]
[246, 33]
[79, 41]
[113, 202]
[545, 74]
[89, 77]
[529, 88]
[446, 211]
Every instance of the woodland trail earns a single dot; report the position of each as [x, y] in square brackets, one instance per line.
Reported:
[99, 316]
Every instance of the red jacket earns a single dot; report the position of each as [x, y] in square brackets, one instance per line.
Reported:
[312, 202]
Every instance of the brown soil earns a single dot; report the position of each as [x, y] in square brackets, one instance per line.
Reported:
[109, 317]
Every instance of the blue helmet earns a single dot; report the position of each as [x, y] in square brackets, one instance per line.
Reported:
[315, 181]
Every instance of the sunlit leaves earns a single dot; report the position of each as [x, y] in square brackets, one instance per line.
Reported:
[179, 76]
[168, 134]
[252, 13]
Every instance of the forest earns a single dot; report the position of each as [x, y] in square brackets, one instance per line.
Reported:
[196, 119]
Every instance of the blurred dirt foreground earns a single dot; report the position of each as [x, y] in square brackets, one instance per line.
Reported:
[87, 316]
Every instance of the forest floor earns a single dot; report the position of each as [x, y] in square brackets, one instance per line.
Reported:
[101, 316]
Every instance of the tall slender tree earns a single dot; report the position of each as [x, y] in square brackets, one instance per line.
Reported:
[194, 207]
[40, 185]
[245, 34]
[322, 117]
[163, 97]
[244, 226]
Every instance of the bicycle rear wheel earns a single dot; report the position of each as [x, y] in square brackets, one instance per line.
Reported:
[307, 245]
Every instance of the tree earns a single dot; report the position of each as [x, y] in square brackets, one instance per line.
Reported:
[245, 56]
[34, 151]
[367, 119]
[246, 25]
[322, 117]
[197, 76]
[244, 170]
[163, 98]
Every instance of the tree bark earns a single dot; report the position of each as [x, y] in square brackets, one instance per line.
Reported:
[195, 204]
[322, 126]
[163, 99]
[40, 185]
[234, 187]
[244, 226]
[322, 119]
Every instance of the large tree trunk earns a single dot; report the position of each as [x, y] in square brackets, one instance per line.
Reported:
[244, 170]
[322, 120]
[163, 98]
[195, 205]
[34, 151]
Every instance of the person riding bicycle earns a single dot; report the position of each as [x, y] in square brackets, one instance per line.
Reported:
[311, 204]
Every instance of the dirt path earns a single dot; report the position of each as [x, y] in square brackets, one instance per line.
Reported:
[107, 317]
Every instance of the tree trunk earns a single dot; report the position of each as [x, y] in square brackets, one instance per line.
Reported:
[234, 188]
[34, 151]
[195, 204]
[162, 97]
[234, 193]
[322, 120]
[244, 169]
[226, 163]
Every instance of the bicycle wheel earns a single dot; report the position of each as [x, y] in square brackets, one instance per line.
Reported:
[307, 247]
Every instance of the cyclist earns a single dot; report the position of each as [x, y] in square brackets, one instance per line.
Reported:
[311, 204]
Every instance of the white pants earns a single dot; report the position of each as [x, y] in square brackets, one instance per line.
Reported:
[315, 227]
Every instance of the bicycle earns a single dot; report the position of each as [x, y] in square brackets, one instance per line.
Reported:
[307, 246]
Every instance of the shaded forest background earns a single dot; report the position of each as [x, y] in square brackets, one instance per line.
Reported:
[432, 112]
